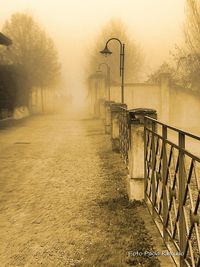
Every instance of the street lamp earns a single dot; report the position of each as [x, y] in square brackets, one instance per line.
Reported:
[108, 76]
[106, 52]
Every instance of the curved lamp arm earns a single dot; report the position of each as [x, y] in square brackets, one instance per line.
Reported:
[114, 39]
[106, 51]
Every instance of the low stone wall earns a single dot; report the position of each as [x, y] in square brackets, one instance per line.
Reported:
[127, 137]
[18, 113]
[21, 112]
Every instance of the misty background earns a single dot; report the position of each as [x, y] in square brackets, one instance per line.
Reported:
[59, 163]
[156, 25]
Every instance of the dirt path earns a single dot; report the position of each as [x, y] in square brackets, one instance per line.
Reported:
[62, 198]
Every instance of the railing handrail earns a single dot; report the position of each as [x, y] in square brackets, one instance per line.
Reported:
[176, 146]
[174, 128]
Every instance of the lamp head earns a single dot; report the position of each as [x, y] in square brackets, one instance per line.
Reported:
[106, 51]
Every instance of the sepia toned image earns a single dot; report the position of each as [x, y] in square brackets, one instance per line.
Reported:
[100, 133]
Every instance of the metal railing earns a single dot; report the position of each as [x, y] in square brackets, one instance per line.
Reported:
[124, 133]
[172, 189]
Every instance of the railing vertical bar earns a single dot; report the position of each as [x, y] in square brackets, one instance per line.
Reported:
[145, 153]
[153, 160]
[164, 181]
[182, 184]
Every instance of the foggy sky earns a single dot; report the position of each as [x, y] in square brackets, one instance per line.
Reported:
[73, 24]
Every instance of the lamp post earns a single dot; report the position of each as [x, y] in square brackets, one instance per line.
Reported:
[106, 52]
[108, 76]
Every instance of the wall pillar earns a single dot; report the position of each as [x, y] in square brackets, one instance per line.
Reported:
[102, 108]
[135, 179]
[108, 116]
[115, 124]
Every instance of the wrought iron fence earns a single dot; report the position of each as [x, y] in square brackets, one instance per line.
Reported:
[172, 189]
[124, 133]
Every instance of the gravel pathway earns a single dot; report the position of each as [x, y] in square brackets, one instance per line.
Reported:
[63, 200]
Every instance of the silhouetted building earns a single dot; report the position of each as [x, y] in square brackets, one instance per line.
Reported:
[4, 40]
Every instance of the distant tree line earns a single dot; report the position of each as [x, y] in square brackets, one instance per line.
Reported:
[185, 65]
[31, 61]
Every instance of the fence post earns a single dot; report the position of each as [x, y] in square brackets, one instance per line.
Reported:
[123, 133]
[108, 116]
[136, 163]
[182, 186]
[126, 139]
[102, 108]
[164, 181]
[115, 125]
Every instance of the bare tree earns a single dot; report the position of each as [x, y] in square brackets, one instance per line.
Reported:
[187, 57]
[33, 51]
[133, 53]
[192, 26]
[154, 77]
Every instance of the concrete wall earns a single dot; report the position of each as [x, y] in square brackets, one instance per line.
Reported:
[139, 95]
[185, 109]
[174, 105]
